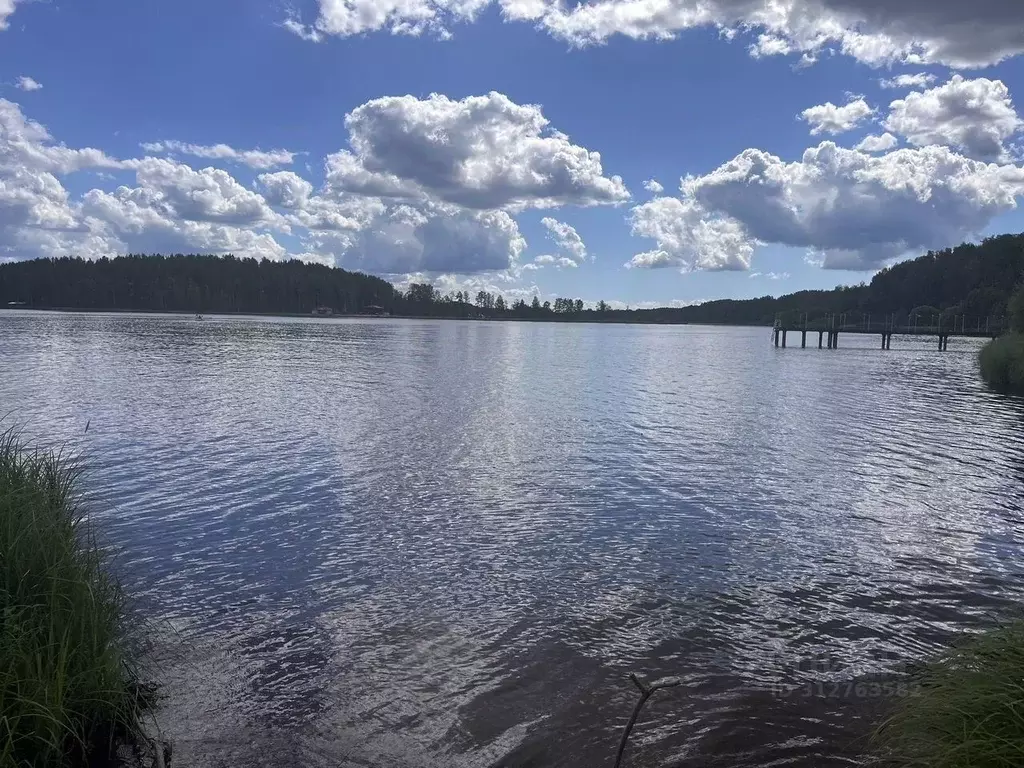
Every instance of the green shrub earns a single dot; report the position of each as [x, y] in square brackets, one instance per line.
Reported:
[968, 710]
[1015, 309]
[68, 688]
[1002, 363]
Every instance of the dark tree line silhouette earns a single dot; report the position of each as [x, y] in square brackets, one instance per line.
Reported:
[975, 280]
[195, 283]
[189, 284]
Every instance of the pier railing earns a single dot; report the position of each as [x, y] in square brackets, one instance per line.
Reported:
[928, 325]
[830, 326]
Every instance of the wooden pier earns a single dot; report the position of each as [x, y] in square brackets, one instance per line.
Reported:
[828, 328]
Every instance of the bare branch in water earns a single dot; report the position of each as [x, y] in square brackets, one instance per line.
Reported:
[646, 691]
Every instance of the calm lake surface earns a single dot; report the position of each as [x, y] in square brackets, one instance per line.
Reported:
[402, 544]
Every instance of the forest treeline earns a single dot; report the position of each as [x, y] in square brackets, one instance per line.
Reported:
[975, 280]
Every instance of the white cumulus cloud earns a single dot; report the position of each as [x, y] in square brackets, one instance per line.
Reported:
[876, 32]
[173, 207]
[499, 284]
[27, 145]
[570, 245]
[481, 152]
[26, 83]
[974, 116]
[285, 189]
[134, 219]
[434, 240]
[689, 236]
[652, 185]
[295, 197]
[857, 209]
[38, 216]
[882, 143]
[254, 158]
[828, 118]
[6, 9]
[917, 80]
[209, 194]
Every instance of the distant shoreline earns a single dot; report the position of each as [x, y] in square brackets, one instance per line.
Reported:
[349, 315]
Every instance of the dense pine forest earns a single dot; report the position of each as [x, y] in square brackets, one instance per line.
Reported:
[189, 284]
[975, 280]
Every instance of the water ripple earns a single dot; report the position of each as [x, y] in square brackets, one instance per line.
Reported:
[412, 543]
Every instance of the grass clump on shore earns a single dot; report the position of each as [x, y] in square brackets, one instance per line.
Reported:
[1002, 360]
[968, 711]
[69, 692]
[1002, 363]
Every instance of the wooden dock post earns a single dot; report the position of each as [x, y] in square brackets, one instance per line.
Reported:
[829, 328]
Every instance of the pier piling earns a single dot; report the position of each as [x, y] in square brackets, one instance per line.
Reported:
[830, 326]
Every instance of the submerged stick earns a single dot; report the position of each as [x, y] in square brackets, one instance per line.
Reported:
[646, 691]
[161, 753]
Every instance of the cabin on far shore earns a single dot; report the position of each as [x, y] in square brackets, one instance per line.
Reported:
[374, 309]
[323, 311]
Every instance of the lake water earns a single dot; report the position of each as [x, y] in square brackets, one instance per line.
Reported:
[409, 544]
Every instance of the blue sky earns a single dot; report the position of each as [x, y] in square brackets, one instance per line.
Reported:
[507, 144]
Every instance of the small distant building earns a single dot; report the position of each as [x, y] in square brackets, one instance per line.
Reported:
[323, 311]
[15, 303]
[374, 309]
